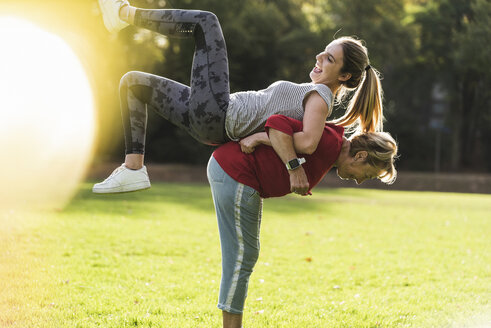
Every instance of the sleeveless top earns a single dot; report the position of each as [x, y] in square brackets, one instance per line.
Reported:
[248, 110]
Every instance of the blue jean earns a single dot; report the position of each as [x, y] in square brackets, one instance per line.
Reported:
[238, 208]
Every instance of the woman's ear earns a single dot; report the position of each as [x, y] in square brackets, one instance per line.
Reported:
[361, 155]
[344, 77]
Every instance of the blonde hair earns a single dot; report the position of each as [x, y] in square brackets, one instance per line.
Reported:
[382, 152]
[364, 112]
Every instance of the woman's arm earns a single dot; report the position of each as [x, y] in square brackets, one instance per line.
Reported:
[314, 120]
[305, 141]
[283, 145]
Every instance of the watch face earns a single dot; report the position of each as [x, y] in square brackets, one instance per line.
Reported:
[293, 164]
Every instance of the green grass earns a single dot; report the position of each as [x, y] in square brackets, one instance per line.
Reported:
[341, 258]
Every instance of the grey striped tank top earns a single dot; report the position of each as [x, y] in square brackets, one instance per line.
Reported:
[248, 111]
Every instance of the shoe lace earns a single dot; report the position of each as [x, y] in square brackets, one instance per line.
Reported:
[116, 171]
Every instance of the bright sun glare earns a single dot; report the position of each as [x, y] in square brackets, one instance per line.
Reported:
[46, 117]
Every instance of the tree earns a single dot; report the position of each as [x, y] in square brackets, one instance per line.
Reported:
[455, 43]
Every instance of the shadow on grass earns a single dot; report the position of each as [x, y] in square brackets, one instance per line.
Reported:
[191, 196]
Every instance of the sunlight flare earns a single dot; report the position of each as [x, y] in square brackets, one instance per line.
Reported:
[46, 126]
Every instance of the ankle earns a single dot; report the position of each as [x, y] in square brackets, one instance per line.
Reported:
[133, 161]
[127, 13]
[133, 166]
[124, 12]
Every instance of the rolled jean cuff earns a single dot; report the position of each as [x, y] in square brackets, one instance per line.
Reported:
[228, 309]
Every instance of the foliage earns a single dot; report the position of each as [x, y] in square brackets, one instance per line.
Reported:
[455, 46]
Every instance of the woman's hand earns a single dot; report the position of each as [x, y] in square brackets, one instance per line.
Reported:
[299, 183]
[249, 144]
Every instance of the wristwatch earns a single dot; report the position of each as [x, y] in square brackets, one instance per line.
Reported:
[295, 163]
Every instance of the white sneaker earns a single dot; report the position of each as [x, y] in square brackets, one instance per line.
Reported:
[123, 180]
[110, 14]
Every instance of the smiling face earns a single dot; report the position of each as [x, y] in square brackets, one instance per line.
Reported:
[356, 168]
[328, 66]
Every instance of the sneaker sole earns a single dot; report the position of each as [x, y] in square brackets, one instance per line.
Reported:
[122, 189]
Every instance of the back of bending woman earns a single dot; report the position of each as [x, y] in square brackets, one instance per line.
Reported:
[207, 110]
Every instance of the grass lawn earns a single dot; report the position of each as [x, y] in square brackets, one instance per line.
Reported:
[341, 258]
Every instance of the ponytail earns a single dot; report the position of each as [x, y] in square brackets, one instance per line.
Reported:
[365, 111]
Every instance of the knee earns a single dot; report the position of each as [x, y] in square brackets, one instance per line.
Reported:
[128, 79]
[251, 255]
[247, 260]
[209, 17]
[135, 81]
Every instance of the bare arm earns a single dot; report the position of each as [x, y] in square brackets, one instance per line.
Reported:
[283, 145]
[314, 119]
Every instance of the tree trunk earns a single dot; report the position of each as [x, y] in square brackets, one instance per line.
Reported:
[456, 122]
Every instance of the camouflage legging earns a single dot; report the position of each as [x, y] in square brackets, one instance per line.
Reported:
[199, 109]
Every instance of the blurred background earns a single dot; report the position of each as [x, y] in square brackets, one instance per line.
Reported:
[435, 58]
